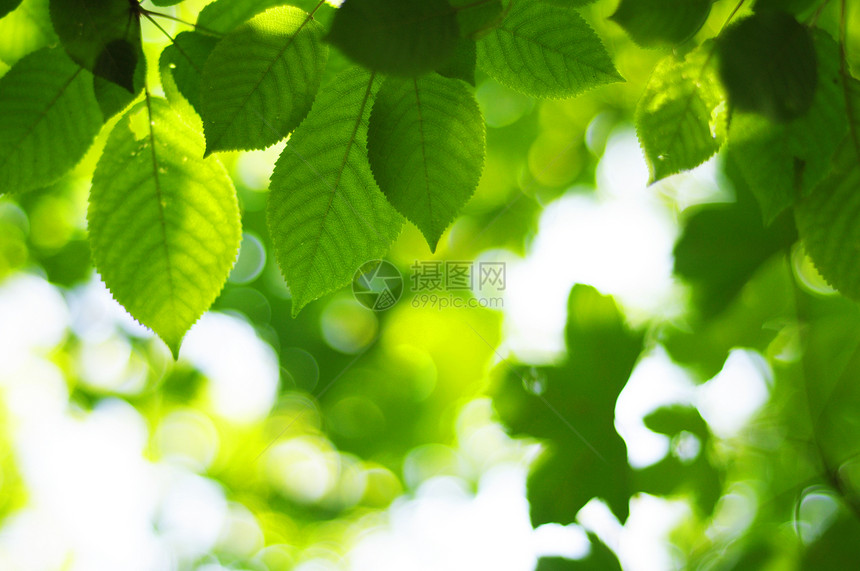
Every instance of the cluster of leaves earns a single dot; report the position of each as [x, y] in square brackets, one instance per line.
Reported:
[377, 101]
[398, 135]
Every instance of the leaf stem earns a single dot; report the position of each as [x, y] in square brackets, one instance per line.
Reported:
[732, 15]
[199, 28]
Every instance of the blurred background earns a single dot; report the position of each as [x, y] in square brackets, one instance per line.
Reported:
[352, 439]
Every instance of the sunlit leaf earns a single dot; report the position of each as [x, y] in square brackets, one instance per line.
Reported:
[407, 37]
[25, 30]
[545, 50]
[48, 119]
[260, 80]
[326, 214]
[655, 22]
[681, 118]
[101, 35]
[224, 15]
[782, 162]
[7, 6]
[426, 148]
[183, 60]
[163, 222]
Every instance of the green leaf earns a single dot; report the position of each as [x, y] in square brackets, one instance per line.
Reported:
[653, 23]
[260, 80]
[326, 214]
[181, 65]
[426, 148]
[782, 162]
[114, 99]
[166, 2]
[101, 35]
[462, 64]
[48, 119]
[768, 65]
[681, 119]
[829, 224]
[723, 245]
[791, 6]
[545, 50]
[681, 472]
[7, 6]
[25, 30]
[164, 223]
[407, 37]
[223, 16]
[600, 558]
[572, 408]
[477, 18]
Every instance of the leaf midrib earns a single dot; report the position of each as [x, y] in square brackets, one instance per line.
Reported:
[16, 147]
[263, 76]
[334, 188]
[423, 151]
[158, 195]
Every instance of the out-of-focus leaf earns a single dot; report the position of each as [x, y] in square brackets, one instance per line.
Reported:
[601, 558]
[477, 18]
[572, 408]
[677, 473]
[836, 547]
[654, 22]
[768, 65]
[723, 245]
[7, 6]
[783, 162]
[829, 223]
[790, 6]
[749, 321]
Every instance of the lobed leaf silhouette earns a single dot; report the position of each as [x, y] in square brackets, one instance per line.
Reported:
[260, 80]
[48, 119]
[426, 148]
[325, 213]
[163, 222]
[546, 50]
